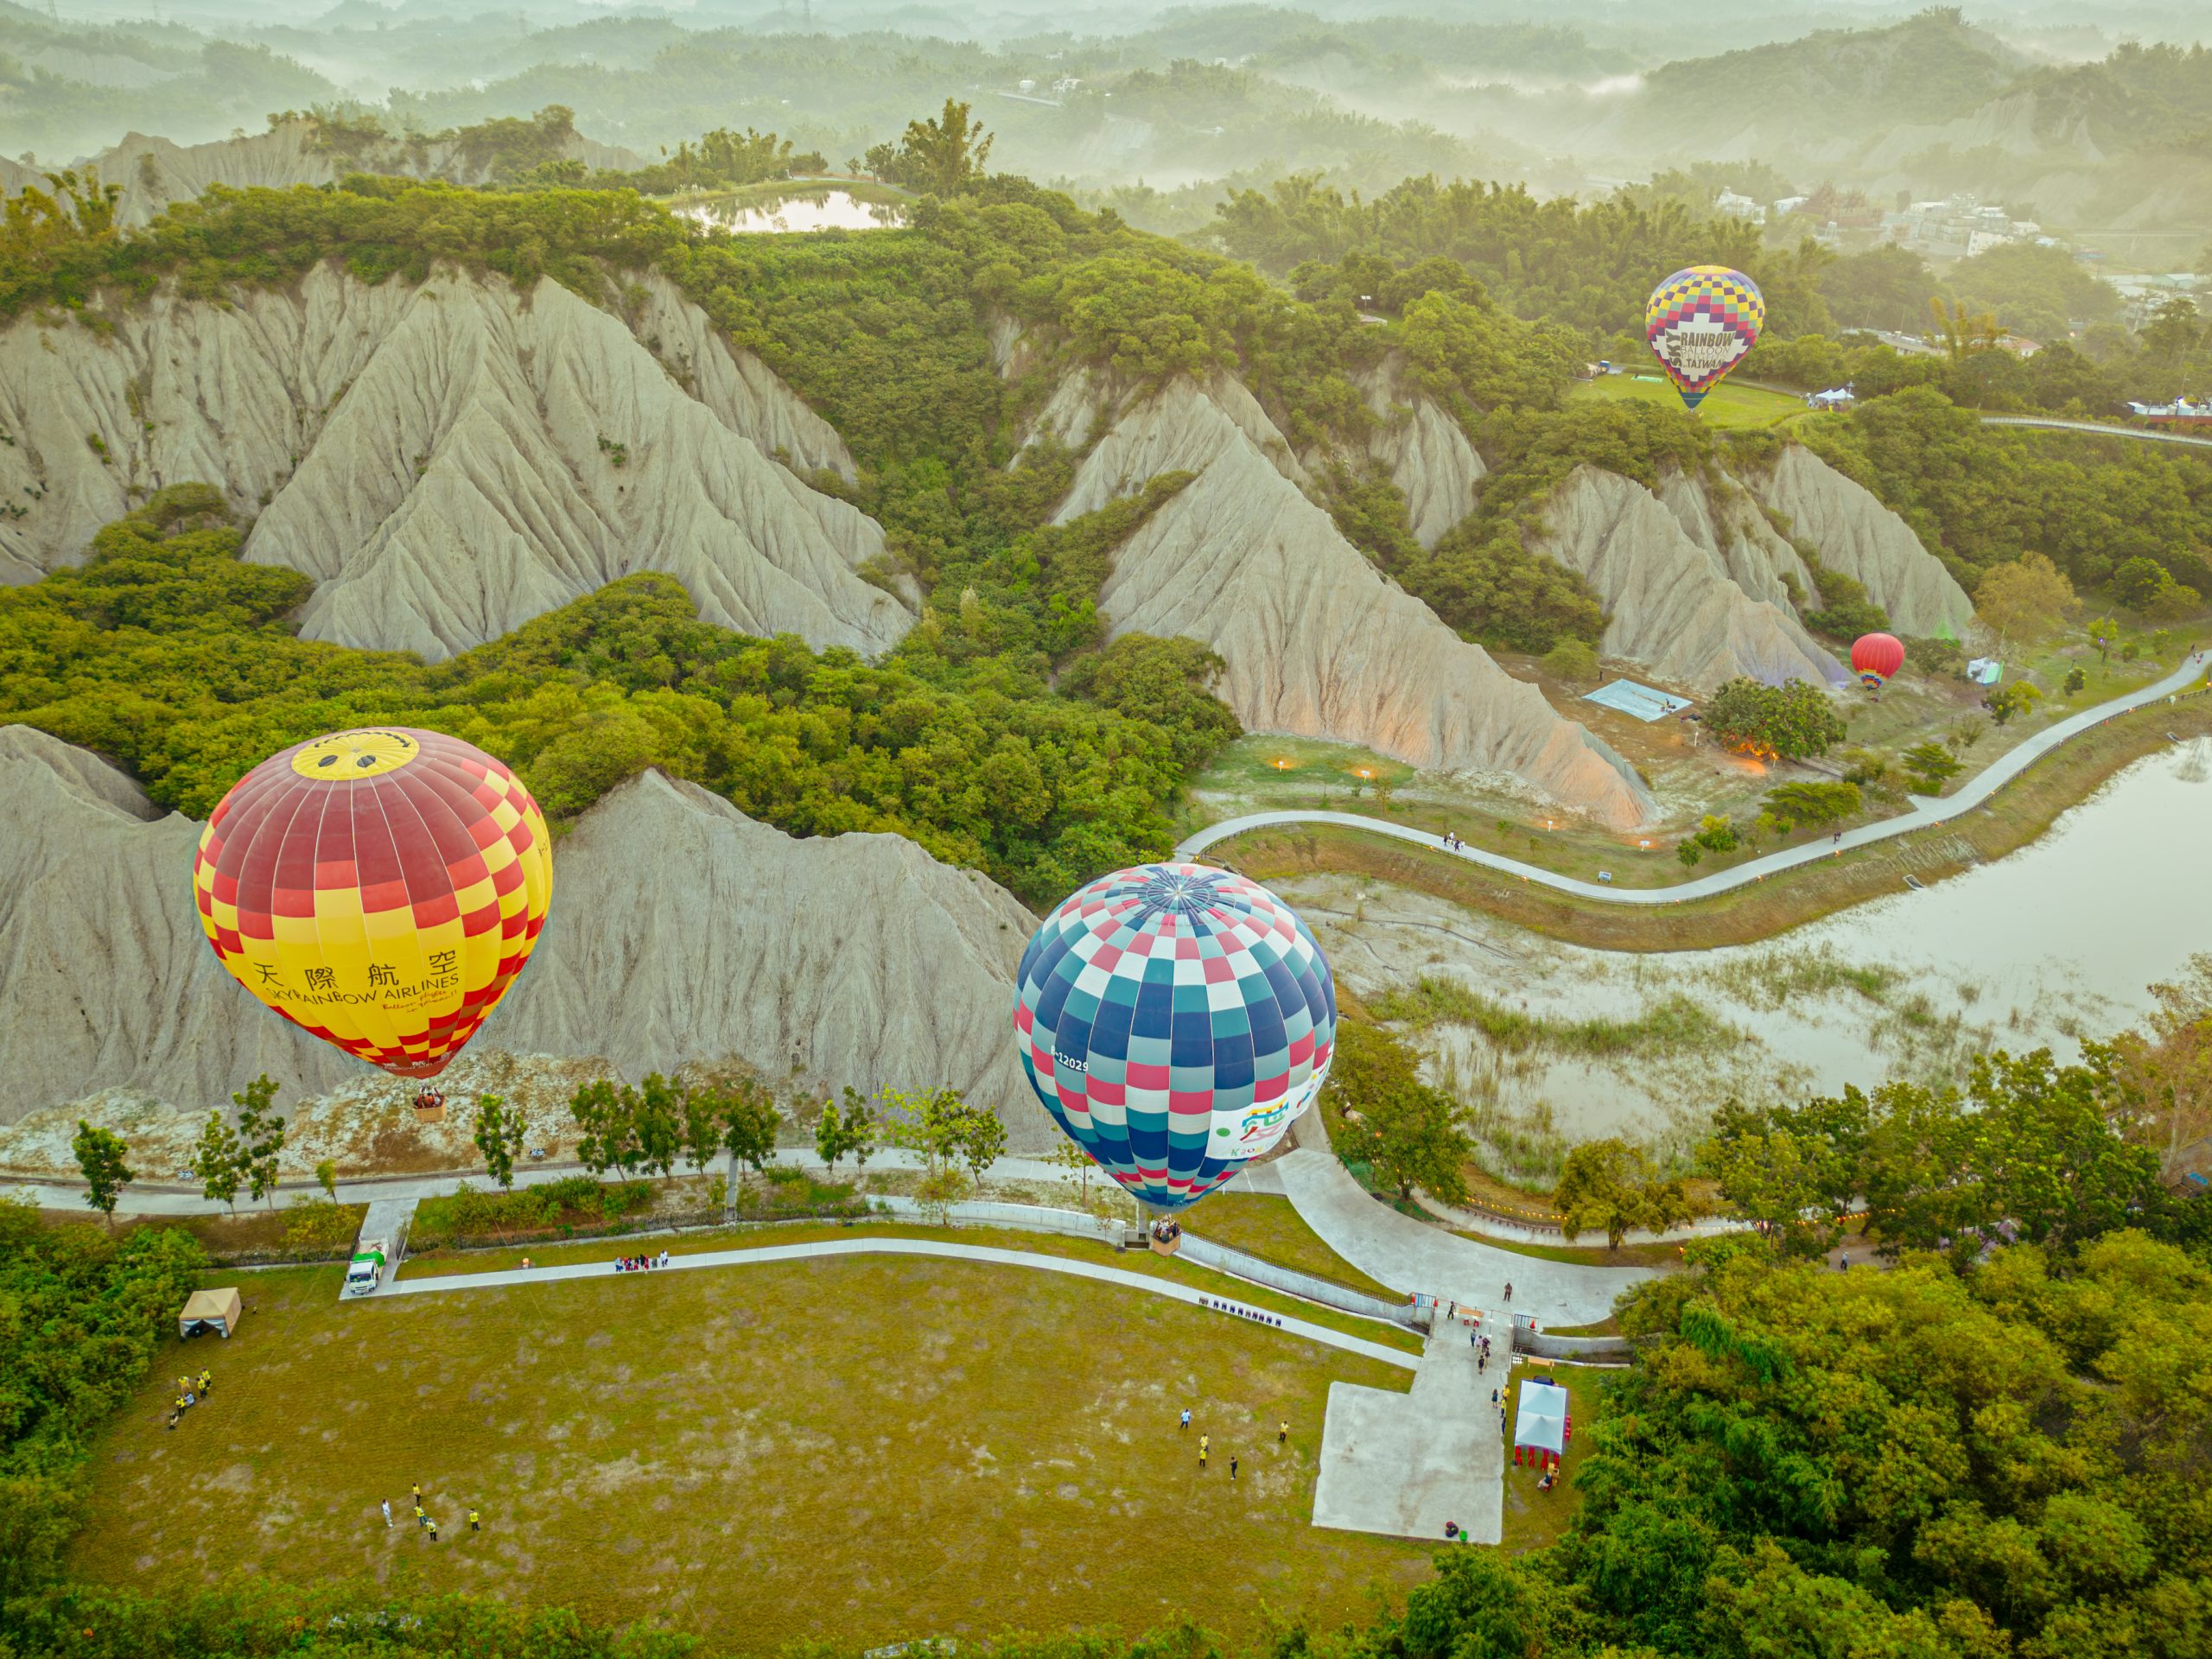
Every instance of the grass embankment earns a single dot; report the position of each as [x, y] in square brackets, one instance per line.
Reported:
[1142, 1262]
[1728, 406]
[2020, 812]
[890, 1449]
[1268, 1227]
[1534, 1518]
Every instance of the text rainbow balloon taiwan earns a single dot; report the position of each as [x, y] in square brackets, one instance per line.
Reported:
[381, 888]
[1698, 324]
[1174, 1019]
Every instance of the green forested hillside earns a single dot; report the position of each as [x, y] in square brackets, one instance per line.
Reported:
[170, 656]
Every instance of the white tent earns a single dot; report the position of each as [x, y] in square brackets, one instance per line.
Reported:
[211, 1310]
[1541, 1421]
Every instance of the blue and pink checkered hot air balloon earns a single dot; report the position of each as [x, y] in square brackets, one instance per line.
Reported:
[1174, 1019]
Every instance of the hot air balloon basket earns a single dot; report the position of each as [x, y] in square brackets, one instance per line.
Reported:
[429, 1109]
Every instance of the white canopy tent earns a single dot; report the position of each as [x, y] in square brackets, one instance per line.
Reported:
[1541, 1420]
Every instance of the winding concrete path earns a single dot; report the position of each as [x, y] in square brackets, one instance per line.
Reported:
[1926, 814]
[2140, 433]
[1412, 1256]
[1072, 1268]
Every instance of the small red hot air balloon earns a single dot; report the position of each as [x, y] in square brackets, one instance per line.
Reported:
[1875, 657]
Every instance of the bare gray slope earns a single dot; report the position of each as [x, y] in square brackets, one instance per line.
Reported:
[1672, 603]
[105, 975]
[1854, 533]
[681, 929]
[1316, 643]
[447, 460]
[1424, 451]
[684, 930]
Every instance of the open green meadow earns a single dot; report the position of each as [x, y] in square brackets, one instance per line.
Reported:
[888, 1447]
[1728, 405]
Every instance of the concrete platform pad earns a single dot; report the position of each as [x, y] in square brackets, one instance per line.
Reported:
[1405, 1463]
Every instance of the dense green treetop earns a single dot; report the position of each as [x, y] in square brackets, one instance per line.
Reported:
[168, 655]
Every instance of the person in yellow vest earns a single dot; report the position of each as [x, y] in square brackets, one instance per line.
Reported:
[475, 1522]
[206, 1383]
[1205, 1442]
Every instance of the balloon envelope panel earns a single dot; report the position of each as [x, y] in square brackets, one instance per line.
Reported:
[1698, 324]
[381, 888]
[1174, 1021]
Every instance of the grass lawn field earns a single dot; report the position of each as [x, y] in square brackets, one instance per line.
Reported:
[887, 1448]
[455, 1262]
[1727, 405]
[1268, 1227]
[1534, 1518]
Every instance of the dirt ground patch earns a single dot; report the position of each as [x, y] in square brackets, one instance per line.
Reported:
[2016, 816]
[893, 1449]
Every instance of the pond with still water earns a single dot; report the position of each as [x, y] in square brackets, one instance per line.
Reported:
[818, 210]
[2055, 943]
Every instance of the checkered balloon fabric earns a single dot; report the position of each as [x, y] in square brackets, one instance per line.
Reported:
[1698, 324]
[380, 888]
[1174, 1019]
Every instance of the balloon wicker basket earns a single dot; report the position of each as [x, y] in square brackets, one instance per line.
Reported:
[429, 1109]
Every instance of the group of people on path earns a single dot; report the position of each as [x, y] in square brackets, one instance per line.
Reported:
[190, 1393]
[423, 1519]
[637, 1263]
[1205, 1441]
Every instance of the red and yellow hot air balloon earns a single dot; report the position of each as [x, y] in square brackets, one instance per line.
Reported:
[1698, 324]
[382, 888]
[1875, 657]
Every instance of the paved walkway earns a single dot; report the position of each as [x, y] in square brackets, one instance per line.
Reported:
[1496, 1226]
[2143, 433]
[1410, 1255]
[1227, 1308]
[1926, 814]
[1405, 1463]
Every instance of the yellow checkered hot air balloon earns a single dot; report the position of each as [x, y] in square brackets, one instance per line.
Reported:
[382, 888]
[1698, 324]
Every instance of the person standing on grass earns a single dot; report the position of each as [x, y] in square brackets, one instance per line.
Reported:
[475, 1522]
[387, 1514]
[206, 1383]
[1205, 1442]
[1283, 1433]
[433, 1526]
[1186, 1417]
[418, 1497]
[1232, 1466]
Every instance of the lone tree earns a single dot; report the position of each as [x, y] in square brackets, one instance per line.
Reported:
[217, 1161]
[1407, 1133]
[604, 1113]
[1930, 767]
[1790, 720]
[937, 157]
[1610, 1186]
[2024, 601]
[499, 1133]
[261, 1137]
[851, 1130]
[100, 1155]
[747, 1113]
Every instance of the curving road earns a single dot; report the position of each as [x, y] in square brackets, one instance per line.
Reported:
[2141, 433]
[1926, 814]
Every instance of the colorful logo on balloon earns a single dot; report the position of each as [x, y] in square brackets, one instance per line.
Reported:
[1698, 324]
[1174, 1021]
